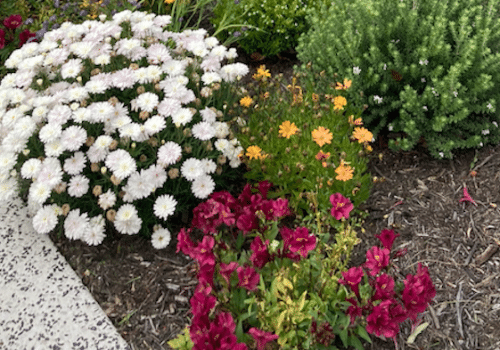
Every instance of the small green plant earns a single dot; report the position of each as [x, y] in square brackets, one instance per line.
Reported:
[425, 69]
[306, 144]
[271, 26]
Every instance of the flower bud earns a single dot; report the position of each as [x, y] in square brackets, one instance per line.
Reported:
[141, 89]
[102, 17]
[110, 215]
[143, 158]
[115, 180]
[79, 79]
[133, 145]
[143, 115]
[188, 149]
[173, 173]
[104, 170]
[65, 209]
[39, 82]
[113, 145]
[60, 187]
[94, 167]
[97, 190]
[134, 66]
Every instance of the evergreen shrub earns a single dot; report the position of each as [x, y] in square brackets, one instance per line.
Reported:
[424, 69]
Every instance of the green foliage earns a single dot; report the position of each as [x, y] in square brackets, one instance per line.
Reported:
[294, 163]
[428, 69]
[272, 26]
[182, 342]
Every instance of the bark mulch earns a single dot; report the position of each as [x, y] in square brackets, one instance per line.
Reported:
[146, 292]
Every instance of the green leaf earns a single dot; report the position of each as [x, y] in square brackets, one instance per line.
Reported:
[239, 241]
[361, 331]
[356, 343]
[343, 337]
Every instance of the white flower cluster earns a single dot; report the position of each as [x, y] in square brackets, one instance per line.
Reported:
[61, 117]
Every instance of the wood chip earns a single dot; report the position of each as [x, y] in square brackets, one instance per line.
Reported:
[487, 254]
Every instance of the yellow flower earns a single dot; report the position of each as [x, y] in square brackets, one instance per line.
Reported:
[254, 152]
[169, 1]
[315, 97]
[288, 129]
[345, 86]
[339, 102]
[322, 136]
[362, 135]
[344, 172]
[368, 148]
[246, 101]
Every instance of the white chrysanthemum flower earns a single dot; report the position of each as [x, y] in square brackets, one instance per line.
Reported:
[182, 116]
[101, 111]
[160, 238]
[60, 114]
[132, 130]
[96, 232]
[158, 53]
[234, 71]
[75, 164]
[203, 131]
[107, 200]
[231, 53]
[141, 76]
[169, 154]
[234, 163]
[8, 189]
[164, 206]
[147, 101]
[127, 220]
[78, 94]
[209, 166]
[210, 77]
[82, 49]
[39, 192]
[31, 168]
[51, 172]
[17, 96]
[45, 220]
[121, 163]
[103, 142]
[221, 130]
[7, 161]
[154, 125]
[78, 186]
[208, 115]
[192, 168]
[71, 69]
[50, 132]
[377, 99]
[54, 148]
[102, 60]
[202, 186]
[73, 138]
[221, 145]
[139, 185]
[11, 117]
[219, 51]
[154, 73]
[96, 86]
[96, 154]
[158, 175]
[40, 112]
[197, 48]
[169, 106]
[81, 115]
[173, 67]
[76, 224]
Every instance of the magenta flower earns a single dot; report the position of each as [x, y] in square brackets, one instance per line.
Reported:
[352, 278]
[248, 278]
[376, 259]
[261, 337]
[227, 269]
[280, 208]
[247, 221]
[418, 292]
[204, 251]
[12, 22]
[342, 206]
[260, 255]
[264, 187]
[302, 242]
[185, 243]
[24, 36]
[387, 238]
[354, 310]
[384, 287]
[379, 322]
[467, 197]
[2, 38]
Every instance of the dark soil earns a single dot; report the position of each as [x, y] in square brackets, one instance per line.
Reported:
[146, 292]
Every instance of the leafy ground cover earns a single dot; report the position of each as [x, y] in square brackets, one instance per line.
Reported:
[146, 292]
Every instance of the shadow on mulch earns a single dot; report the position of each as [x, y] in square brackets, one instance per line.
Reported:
[146, 292]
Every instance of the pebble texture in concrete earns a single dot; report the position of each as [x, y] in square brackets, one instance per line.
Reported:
[43, 303]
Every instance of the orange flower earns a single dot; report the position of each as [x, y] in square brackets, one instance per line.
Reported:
[358, 121]
[362, 135]
[344, 172]
[339, 102]
[169, 1]
[263, 72]
[246, 101]
[322, 136]
[254, 152]
[315, 97]
[288, 129]
[345, 86]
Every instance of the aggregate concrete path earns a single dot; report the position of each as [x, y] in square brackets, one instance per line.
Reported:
[43, 303]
